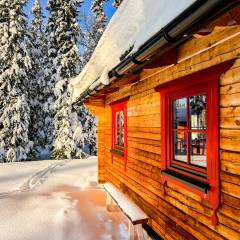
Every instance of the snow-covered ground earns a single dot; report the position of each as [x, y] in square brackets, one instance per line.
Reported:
[56, 200]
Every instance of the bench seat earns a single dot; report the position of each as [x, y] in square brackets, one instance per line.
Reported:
[130, 209]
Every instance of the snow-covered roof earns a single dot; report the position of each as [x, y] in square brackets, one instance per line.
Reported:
[133, 24]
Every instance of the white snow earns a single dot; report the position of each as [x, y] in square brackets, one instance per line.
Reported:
[56, 200]
[128, 206]
[132, 25]
[13, 174]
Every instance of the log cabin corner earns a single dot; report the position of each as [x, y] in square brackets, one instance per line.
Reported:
[168, 109]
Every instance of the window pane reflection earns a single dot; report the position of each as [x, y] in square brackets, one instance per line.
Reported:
[180, 146]
[197, 110]
[198, 149]
[180, 113]
[120, 128]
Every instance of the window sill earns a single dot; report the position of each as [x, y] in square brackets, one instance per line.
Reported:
[191, 182]
[117, 152]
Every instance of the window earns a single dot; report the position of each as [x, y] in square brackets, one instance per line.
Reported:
[119, 129]
[190, 133]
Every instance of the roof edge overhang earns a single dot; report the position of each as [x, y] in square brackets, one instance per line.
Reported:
[172, 35]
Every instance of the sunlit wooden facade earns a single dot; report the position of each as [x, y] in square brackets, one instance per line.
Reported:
[178, 210]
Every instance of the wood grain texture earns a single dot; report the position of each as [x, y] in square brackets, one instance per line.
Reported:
[180, 214]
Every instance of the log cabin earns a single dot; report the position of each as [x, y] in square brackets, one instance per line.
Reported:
[164, 84]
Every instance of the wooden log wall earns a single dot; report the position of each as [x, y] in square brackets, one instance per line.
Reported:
[180, 214]
[97, 108]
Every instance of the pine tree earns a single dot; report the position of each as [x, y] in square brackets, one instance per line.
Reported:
[64, 35]
[69, 140]
[97, 28]
[89, 129]
[4, 36]
[39, 84]
[50, 71]
[15, 61]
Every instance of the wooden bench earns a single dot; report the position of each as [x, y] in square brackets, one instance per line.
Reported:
[135, 214]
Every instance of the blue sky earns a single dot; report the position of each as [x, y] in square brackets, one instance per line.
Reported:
[109, 9]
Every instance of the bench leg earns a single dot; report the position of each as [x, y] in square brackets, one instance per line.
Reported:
[140, 233]
[109, 203]
[108, 200]
[130, 230]
[136, 232]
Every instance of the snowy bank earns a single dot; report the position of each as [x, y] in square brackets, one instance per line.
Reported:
[13, 175]
[128, 28]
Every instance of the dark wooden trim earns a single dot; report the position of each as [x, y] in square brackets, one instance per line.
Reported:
[117, 152]
[195, 172]
[191, 182]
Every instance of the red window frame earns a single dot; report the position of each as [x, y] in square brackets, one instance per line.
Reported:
[202, 82]
[116, 150]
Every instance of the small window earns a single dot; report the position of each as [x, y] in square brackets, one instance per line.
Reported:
[119, 129]
[190, 133]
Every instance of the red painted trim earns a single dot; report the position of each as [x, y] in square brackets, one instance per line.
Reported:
[120, 105]
[203, 82]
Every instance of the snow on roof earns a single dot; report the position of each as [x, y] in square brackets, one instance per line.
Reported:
[133, 24]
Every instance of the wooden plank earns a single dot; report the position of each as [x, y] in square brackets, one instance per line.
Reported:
[197, 44]
[231, 178]
[231, 88]
[144, 135]
[229, 140]
[231, 76]
[230, 167]
[230, 211]
[231, 100]
[230, 112]
[230, 122]
[230, 201]
[155, 143]
[145, 147]
[230, 189]
[148, 129]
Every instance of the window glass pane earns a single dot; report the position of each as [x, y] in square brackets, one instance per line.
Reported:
[197, 111]
[180, 146]
[180, 113]
[198, 149]
[120, 128]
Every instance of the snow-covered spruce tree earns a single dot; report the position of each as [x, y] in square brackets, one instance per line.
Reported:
[15, 60]
[89, 129]
[50, 73]
[39, 86]
[4, 35]
[65, 33]
[97, 27]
